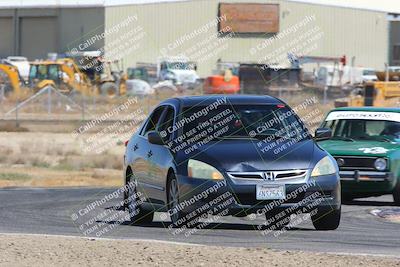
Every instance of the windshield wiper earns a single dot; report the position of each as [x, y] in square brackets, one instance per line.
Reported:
[274, 136]
[342, 138]
[232, 137]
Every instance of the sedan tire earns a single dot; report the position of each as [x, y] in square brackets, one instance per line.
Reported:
[137, 214]
[326, 220]
[178, 217]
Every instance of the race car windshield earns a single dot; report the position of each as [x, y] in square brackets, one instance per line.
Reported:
[245, 121]
[365, 129]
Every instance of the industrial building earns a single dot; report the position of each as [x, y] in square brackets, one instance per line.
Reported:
[144, 30]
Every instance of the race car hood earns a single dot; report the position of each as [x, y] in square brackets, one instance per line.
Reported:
[359, 148]
[254, 155]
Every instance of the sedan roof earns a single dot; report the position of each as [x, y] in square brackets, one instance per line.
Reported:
[205, 100]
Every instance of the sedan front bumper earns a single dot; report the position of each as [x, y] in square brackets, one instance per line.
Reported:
[240, 199]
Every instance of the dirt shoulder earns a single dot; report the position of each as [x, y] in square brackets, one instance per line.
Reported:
[35, 250]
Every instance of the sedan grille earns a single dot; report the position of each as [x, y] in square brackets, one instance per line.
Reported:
[268, 175]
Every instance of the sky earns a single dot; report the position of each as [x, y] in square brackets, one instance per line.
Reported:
[379, 5]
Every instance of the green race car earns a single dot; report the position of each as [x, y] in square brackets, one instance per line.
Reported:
[366, 145]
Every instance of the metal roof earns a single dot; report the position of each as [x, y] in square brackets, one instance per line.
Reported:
[388, 6]
[76, 3]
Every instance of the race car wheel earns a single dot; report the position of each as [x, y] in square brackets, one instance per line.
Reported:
[396, 194]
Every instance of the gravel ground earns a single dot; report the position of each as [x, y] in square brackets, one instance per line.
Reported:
[36, 250]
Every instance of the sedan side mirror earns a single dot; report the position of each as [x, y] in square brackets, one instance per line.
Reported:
[322, 134]
[155, 138]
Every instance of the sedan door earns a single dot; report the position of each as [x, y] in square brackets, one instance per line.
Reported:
[159, 156]
[141, 148]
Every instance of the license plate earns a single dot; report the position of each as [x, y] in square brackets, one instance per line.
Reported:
[269, 192]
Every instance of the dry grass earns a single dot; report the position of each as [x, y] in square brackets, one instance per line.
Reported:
[47, 177]
[52, 159]
[12, 127]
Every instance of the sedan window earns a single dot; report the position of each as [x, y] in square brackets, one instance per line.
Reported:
[153, 120]
[167, 123]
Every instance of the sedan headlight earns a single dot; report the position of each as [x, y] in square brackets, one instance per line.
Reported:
[324, 167]
[380, 164]
[198, 169]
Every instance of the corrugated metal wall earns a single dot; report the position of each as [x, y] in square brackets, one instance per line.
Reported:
[7, 36]
[394, 48]
[34, 32]
[350, 32]
[38, 36]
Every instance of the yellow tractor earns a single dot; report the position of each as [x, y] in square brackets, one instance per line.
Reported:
[382, 93]
[106, 75]
[12, 81]
[61, 74]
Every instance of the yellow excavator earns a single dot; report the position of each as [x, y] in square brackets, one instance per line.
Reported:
[382, 93]
[65, 75]
[12, 81]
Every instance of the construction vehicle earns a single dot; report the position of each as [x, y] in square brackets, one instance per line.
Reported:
[112, 80]
[382, 93]
[11, 80]
[21, 63]
[106, 75]
[61, 74]
[138, 73]
[225, 79]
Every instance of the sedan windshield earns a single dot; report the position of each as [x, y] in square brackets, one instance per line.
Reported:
[358, 129]
[245, 121]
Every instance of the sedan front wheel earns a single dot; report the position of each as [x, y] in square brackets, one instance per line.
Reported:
[137, 214]
[326, 220]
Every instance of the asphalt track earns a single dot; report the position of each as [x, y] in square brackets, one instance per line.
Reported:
[50, 211]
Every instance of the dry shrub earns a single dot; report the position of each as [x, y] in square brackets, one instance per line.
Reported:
[107, 161]
[5, 152]
[11, 127]
[14, 176]
[99, 174]
[104, 161]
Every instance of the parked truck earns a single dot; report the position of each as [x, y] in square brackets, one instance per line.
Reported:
[178, 70]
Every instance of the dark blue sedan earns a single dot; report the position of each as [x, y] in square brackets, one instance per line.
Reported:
[209, 156]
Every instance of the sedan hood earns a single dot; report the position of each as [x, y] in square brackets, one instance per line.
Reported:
[251, 155]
